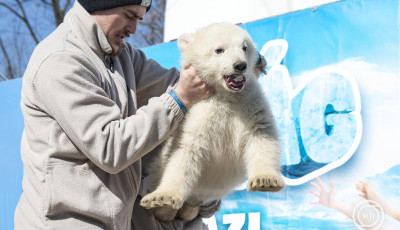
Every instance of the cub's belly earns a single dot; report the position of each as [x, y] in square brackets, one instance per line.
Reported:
[219, 179]
[218, 134]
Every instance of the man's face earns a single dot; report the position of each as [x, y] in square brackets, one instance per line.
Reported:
[118, 23]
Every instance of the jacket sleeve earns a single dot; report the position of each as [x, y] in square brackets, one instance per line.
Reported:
[208, 210]
[72, 95]
[152, 79]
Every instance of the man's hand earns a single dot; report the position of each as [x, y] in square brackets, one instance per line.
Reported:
[260, 66]
[191, 88]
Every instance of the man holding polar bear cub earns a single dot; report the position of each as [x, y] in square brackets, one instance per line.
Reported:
[93, 106]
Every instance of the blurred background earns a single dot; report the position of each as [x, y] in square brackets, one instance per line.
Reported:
[24, 23]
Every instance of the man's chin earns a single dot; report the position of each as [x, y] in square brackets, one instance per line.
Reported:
[116, 50]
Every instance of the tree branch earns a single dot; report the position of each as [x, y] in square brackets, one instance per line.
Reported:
[66, 7]
[46, 3]
[26, 21]
[10, 71]
[12, 10]
[57, 11]
[22, 17]
[4, 77]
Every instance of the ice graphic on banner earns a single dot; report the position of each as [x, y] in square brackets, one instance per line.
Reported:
[319, 121]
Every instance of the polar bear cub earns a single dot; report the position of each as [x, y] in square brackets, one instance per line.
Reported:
[223, 140]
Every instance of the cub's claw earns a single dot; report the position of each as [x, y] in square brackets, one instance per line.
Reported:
[268, 182]
[154, 200]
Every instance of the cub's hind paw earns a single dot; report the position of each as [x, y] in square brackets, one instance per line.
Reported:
[157, 199]
[267, 182]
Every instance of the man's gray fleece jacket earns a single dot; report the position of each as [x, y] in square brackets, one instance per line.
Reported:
[86, 128]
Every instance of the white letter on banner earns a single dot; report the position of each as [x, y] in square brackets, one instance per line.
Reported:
[236, 221]
[211, 223]
[278, 89]
[254, 221]
[328, 116]
[319, 122]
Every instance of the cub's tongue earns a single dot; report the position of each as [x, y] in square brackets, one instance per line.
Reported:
[235, 84]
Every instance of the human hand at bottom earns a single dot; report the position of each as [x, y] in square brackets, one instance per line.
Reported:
[325, 197]
[367, 193]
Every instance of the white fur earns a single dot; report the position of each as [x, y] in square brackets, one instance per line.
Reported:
[223, 140]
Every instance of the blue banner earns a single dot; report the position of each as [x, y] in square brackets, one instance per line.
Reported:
[334, 88]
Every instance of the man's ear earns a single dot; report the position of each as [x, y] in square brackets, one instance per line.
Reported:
[184, 40]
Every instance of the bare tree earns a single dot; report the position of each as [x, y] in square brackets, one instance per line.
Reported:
[18, 9]
[152, 27]
[10, 71]
[59, 10]
[21, 14]
[149, 32]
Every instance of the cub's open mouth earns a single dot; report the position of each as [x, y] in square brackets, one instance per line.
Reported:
[235, 82]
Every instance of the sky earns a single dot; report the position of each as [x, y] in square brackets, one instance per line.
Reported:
[19, 43]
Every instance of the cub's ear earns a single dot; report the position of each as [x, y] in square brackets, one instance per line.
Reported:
[184, 40]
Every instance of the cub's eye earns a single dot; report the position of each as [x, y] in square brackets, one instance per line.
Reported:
[244, 48]
[219, 51]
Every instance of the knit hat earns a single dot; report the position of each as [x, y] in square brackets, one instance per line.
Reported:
[95, 5]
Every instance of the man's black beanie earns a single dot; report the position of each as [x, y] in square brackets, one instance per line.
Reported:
[95, 5]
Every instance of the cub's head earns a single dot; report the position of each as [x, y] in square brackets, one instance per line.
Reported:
[222, 53]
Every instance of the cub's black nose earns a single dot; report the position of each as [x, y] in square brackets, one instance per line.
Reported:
[240, 66]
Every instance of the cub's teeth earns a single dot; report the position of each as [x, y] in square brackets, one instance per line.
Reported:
[239, 79]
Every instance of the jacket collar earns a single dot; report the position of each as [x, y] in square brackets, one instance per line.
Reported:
[88, 30]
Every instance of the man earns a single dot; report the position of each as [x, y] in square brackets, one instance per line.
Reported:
[93, 106]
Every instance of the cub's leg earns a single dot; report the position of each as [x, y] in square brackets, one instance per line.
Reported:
[262, 154]
[180, 175]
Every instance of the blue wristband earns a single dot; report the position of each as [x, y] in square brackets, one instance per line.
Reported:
[178, 101]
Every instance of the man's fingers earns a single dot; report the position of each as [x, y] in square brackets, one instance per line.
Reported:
[192, 70]
[210, 91]
[204, 87]
[197, 81]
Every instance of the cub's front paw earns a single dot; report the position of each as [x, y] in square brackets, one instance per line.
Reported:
[158, 199]
[268, 182]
